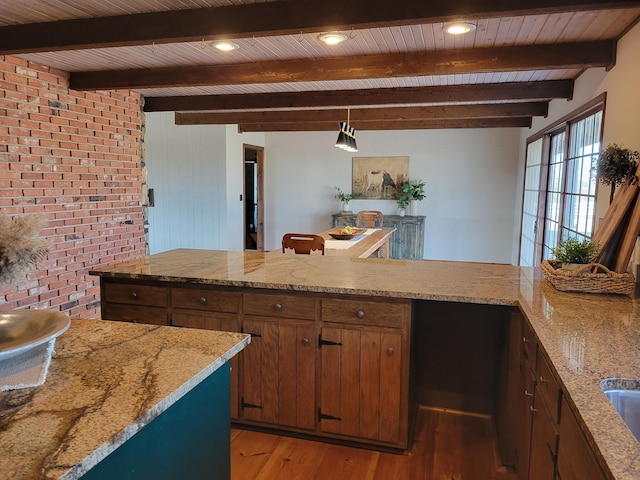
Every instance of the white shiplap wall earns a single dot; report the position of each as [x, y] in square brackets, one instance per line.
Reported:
[186, 167]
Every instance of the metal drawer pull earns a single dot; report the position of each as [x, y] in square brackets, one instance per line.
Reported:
[360, 314]
[253, 335]
[322, 342]
[542, 380]
[134, 295]
[277, 307]
[305, 341]
[324, 416]
[527, 394]
[390, 350]
[203, 301]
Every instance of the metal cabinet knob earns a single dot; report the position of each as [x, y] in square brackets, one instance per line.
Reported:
[390, 350]
[524, 340]
[277, 307]
[203, 301]
[534, 410]
[527, 394]
[360, 314]
[542, 380]
[134, 295]
[305, 341]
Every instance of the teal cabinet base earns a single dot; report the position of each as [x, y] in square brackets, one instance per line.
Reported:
[189, 441]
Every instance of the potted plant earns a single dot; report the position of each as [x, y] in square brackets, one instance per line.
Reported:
[572, 253]
[344, 198]
[616, 165]
[412, 192]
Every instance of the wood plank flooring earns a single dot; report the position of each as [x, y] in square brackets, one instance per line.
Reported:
[447, 446]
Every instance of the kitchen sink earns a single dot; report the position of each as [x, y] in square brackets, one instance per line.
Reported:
[624, 394]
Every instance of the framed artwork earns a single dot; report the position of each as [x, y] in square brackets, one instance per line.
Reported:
[379, 177]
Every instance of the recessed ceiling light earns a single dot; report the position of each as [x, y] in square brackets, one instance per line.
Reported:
[332, 38]
[458, 28]
[226, 46]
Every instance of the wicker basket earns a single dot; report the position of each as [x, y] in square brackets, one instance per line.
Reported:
[590, 278]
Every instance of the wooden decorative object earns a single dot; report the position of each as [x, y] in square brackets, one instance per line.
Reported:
[620, 226]
[369, 219]
[302, 242]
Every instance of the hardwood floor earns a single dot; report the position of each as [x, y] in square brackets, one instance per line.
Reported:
[447, 446]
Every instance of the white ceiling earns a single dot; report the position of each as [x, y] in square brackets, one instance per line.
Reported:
[596, 22]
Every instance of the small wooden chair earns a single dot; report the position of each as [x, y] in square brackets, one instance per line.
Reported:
[302, 242]
[369, 219]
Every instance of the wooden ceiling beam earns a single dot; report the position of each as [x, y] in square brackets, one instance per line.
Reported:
[264, 19]
[357, 115]
[519, 122]
[488, 92]
[439, 62]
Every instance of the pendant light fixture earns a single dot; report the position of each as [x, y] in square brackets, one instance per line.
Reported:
[347, 136]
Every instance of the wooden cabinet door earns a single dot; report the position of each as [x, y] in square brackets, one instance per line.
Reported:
[576, 460]
[222, 322]
[544, 442]
[526, 384]
[412, 238]
[360, 392]
[278, 372]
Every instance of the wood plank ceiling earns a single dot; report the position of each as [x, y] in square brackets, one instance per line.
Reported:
[398, 69]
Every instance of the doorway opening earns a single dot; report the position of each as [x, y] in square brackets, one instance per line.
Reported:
[253, 198]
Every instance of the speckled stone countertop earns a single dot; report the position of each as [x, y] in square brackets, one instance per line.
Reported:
[105, 382]
[588, 337]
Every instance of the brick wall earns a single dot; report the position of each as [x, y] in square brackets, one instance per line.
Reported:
[74, 156]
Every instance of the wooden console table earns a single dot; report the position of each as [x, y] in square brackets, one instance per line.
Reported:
[408, 240]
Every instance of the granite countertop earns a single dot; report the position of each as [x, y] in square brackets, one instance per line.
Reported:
[588, 337]
[106, 381]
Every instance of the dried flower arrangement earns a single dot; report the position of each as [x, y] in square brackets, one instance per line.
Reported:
[20, 247]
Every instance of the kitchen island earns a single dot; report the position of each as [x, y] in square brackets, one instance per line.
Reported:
[123, 401]
[584, 338]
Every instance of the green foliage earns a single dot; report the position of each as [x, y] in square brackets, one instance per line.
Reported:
[614, 164]
[344, 197]
[573, 250]
[411, 191]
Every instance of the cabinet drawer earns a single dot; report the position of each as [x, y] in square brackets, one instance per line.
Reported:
[220, 321]
[364, 312]
[204, 299]
[548, 387]
[135, 294]
[134, 313]
[280, 306]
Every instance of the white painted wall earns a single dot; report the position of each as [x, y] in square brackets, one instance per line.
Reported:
[235, 183]
[186, 167]
[197, 174]
[470, 180]
[621, 116]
